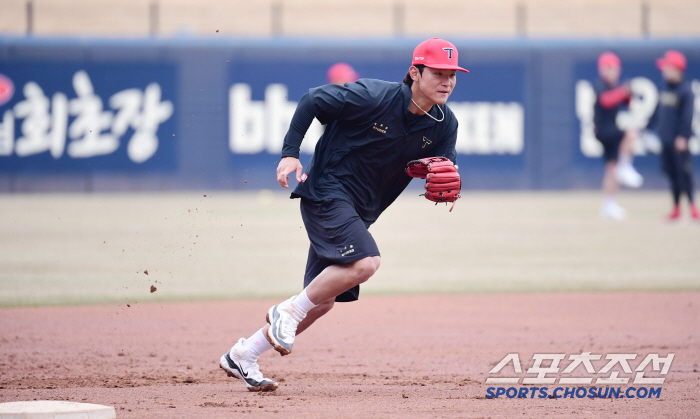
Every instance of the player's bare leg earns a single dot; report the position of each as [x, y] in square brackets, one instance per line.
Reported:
[315, 314]
[609, 180]
[286, 317]
[336, 279]
[627, 144]
[610, 207]
[625, 173]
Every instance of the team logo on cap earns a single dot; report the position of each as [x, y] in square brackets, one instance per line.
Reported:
[449, 52]
[419, 58]
[7, 89]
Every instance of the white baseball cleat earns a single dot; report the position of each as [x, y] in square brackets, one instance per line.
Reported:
[243, 364]
[612, 210]
[627, 176]
[284, 319]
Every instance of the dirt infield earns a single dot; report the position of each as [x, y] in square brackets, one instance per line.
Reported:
[409, 356]
[384, 356]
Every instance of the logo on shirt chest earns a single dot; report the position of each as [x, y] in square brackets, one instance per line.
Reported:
[381, 128]
[669, 99]
[426, 142]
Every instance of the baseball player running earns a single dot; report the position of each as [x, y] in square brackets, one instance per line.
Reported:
[611, 97]
[673, 122]
[374, 129]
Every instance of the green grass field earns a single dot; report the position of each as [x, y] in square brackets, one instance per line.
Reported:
[66, 248]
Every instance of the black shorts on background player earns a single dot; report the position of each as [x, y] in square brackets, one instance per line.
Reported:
[611, 145]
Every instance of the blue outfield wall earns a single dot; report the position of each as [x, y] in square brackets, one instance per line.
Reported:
[112, 115]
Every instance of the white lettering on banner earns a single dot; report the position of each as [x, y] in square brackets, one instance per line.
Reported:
[90, 121]
[279, 112]
[642, 105]
[44, 125]
[247, 121]
[7, 134]
[645, 97]
[694, 143]
[144, 112]
[93, 131]
[257, 126]
[585, 102]
[489, 127]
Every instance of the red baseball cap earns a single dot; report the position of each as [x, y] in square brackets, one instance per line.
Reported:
[672, 58]
[7, 89]
[437, 53]
[609, 59]
[342, 72]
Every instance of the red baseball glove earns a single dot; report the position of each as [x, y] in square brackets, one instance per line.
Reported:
[442, 182]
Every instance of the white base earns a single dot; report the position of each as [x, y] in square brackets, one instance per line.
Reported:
[49, 409]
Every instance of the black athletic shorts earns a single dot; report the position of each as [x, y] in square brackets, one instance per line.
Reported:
[338, 236]
[611, 144]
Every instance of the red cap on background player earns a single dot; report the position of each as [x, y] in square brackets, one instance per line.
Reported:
[437, 53]
[7, 89]
[341, 73]
[673, 59]
[609, 59]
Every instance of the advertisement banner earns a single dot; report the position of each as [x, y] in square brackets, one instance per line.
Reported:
[65, 117]
[183, 114]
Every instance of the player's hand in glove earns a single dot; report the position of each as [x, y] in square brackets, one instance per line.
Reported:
[442, 182]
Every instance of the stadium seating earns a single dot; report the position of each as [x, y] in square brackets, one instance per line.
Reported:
[354, 18]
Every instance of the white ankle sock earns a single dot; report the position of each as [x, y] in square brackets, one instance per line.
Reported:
[257, 343]
[302, 303]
